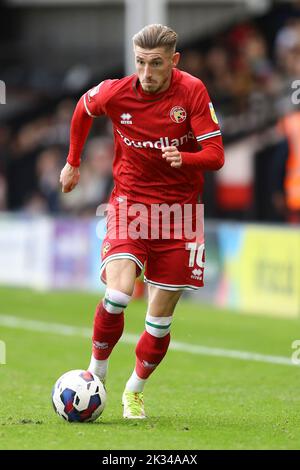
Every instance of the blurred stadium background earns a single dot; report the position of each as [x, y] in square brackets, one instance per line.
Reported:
[247, 52]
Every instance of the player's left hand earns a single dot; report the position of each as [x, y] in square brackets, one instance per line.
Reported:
[172, 155]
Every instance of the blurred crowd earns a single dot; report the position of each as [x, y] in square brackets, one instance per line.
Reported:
[252, 79]
[33, 156]
[255, 84]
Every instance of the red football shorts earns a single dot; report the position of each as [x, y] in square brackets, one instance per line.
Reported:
[171, 264]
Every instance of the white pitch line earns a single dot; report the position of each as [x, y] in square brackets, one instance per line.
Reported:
[9, 321]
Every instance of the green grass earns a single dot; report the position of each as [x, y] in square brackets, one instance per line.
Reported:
[193, 401]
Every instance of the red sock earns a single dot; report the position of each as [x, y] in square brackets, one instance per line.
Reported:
[150, 351]
[108, 329]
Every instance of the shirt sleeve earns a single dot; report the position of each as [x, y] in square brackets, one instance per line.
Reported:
[80, 127]
[205, 127]
[204, 122]
[96, 98]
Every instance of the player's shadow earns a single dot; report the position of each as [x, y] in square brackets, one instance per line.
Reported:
[180, 423]
[122, 422]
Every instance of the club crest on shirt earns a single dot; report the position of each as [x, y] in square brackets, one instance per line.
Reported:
[178, 114]
[105, 248]
[213, 113]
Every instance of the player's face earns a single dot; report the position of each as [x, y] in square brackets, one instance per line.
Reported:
[154, 68]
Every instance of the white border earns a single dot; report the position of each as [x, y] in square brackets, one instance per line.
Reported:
[173, 287]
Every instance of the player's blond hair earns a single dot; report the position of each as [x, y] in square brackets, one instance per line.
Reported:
[156, 35]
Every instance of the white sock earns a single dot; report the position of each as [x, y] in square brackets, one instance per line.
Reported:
[98, 367]
[135, 384]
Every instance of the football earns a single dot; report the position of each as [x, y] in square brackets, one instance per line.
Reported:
[79, 396]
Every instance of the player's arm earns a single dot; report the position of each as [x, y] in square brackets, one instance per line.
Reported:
[80, 127]
[210, 157]
[91, 105]
[205, 127]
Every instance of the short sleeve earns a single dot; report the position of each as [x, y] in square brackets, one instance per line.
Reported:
[96, 98]
[204, 122]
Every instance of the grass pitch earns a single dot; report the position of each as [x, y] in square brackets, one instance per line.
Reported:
[194, 401]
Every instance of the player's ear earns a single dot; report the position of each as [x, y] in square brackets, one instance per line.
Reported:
[176, 58]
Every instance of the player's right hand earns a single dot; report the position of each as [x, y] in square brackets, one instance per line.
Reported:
[172, 156]
[69, 177]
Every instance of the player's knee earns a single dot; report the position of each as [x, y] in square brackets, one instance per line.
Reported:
[158, 326]
[115, 301]
[121, 284]
[120, 275]
[162, 302]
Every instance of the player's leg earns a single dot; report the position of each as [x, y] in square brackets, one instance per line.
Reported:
[109, 315]
[151, 347]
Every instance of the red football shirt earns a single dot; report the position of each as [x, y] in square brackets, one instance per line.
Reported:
[183, 116]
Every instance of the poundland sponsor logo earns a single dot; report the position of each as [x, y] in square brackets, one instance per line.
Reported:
[158, 144]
